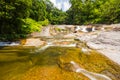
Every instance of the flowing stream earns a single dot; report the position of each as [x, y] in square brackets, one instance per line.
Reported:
[90, 75]
[15, 61]
[20, 60]
[51, 44]
[77, 68]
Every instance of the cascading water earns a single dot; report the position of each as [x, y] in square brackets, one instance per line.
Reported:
[52, 43]
[90, 75]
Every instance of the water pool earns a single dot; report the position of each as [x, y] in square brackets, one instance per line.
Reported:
[53, 63]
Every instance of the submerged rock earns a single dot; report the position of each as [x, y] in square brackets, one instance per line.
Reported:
[106, 72]
[90, 75]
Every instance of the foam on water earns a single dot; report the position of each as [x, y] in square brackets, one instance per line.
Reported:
[9, 43]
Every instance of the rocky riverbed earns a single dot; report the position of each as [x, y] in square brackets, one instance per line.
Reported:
[105, 39]
[54, 49]
[106, 42]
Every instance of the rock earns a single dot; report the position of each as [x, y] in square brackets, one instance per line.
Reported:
[34, 42]
[80, 44]
[116, 28]
[108, 43]
[106, 72]
[95, 46]
[45, 31]
[69, 36]
[85, 50]
[86, 37]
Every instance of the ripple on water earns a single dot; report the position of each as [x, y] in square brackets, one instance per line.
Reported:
[53, 62]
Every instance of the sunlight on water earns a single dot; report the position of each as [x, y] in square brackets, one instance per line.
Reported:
[61, 63]
[90, 75]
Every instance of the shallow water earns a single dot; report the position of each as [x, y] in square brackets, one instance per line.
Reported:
[24, 63]
[90, 75]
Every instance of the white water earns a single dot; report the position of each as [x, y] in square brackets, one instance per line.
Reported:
[49, 44]
[90, 75]
[9, 43]
[83, 28]
[46, 46]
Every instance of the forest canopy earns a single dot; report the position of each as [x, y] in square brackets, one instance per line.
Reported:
[94, 11]
[21, 17]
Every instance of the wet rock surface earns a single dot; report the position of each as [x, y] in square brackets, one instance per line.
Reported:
[113, 76]
[108, 43]
[105, 40]
[34, 42]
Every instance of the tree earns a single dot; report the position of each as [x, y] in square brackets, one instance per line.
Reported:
[38, 10]
[11, 11]
[81, 11]
[57, 16]
[94, 11]
[110, 11]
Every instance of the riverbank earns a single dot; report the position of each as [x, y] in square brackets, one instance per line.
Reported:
[105, 42]
[106, 39]
[43, 53]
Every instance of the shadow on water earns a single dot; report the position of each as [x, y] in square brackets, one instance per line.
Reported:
[1, 47]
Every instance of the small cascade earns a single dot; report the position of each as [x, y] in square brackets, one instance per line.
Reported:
[44, 47]
[49, 45]
[52, 43]
[9, 43]
[93, 28]
[90, 75]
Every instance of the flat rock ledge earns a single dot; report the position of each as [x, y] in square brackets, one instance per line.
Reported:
[33, 42]
[107, 43]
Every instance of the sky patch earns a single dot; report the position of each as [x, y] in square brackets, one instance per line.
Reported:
[61, 4]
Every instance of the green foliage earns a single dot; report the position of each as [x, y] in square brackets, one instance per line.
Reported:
[94, 11]
[110, 11]
[57, 16]
[11, 37]
[14, 17]
[30, 26]
[44, 23]
[10, 14]
[15, 14]
[38, 10]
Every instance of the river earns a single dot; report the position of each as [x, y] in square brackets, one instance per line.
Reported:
[53, 62]
[59, 59]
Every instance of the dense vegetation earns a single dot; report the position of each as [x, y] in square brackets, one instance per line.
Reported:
[94, 11]
[21, 17]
